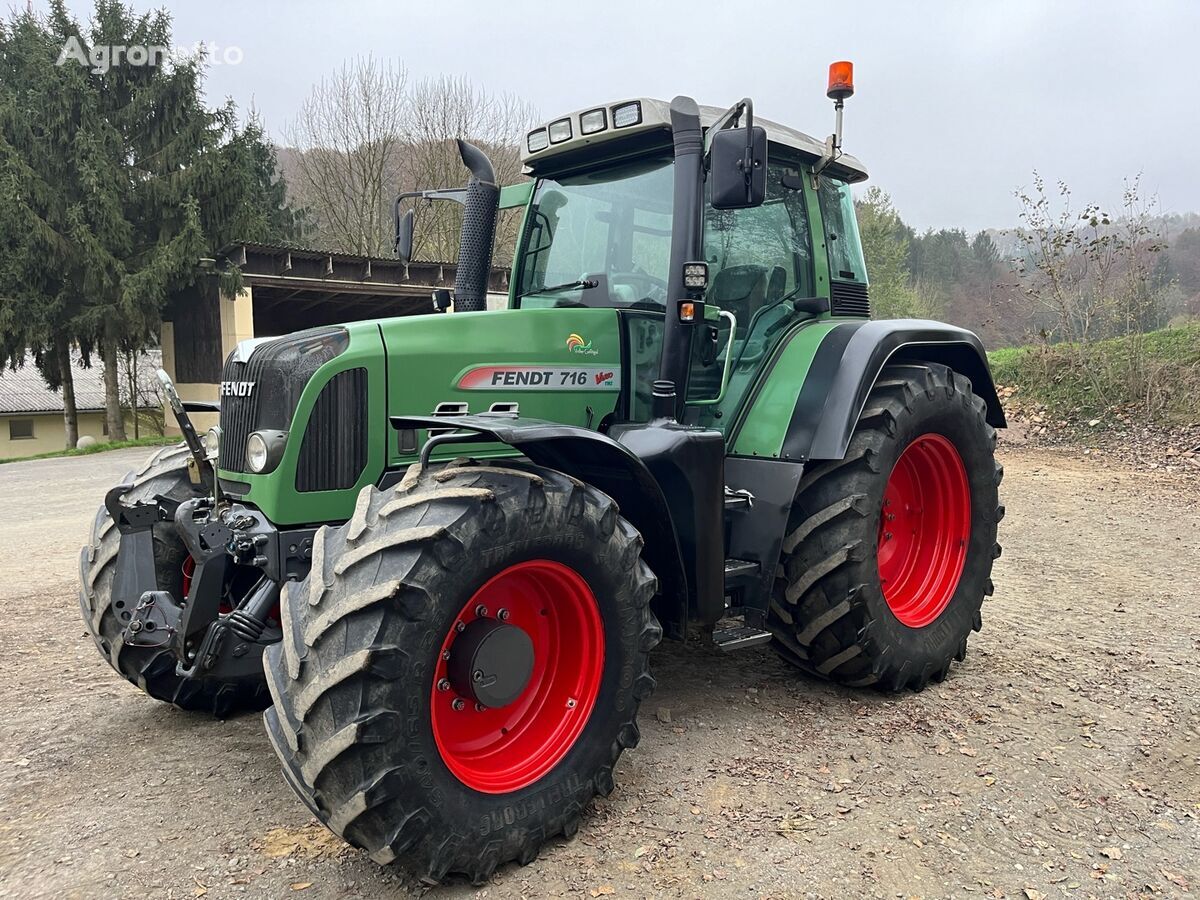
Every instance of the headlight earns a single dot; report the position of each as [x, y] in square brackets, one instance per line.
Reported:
[264, 449]
[256, 452]
[212, 443]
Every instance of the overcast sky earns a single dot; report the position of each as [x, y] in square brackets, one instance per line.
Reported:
[958, 100]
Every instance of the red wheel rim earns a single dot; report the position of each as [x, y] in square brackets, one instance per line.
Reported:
[506, 748]
[924, 528]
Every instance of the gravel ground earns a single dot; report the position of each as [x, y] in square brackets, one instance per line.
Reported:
[1061, 760]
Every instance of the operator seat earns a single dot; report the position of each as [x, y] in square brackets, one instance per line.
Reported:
[776, 285]
[741, 290]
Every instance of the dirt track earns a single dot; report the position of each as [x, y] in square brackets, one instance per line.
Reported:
[1062, 759]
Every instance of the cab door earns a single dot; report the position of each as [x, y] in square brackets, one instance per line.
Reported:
[760, 262]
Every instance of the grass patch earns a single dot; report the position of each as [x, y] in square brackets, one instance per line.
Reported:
[1154, 375]
[155, 441]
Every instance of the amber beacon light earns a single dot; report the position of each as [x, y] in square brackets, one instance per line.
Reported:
[841, 80]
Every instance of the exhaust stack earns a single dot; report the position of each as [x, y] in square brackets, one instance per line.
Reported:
[478, 231]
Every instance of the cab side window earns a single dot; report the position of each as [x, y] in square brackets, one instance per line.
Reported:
[841, 231]
[758, 256]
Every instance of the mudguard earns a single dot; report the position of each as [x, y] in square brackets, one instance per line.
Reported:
[611, 467]
[839, 364]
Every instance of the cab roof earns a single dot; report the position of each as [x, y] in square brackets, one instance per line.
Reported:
[563, 144]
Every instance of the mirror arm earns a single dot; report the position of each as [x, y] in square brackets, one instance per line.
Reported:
[458, 195]
[748, 159]
[726, 119]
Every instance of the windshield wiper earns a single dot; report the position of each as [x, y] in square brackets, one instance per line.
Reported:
[584, 283]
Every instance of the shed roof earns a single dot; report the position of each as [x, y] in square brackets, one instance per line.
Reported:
[24, 391]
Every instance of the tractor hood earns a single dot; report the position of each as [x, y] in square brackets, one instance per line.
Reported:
[321, 399]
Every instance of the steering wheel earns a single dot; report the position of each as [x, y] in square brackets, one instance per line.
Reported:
[651, 284]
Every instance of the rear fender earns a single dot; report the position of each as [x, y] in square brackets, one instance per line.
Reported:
[612, 468]
[848, 363]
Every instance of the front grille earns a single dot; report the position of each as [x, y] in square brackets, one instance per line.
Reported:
[849, 298]
[334, 452]
[239, 415]
[279, 370]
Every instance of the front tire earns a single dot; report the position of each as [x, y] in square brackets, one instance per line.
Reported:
[152, 669]
[889, 551]
[375, 718]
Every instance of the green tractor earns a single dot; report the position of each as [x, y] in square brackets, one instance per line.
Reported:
[451, 541]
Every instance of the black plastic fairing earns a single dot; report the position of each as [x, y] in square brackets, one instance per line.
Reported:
[689, 465]
[849, 361]
[612, 468]
[757, 530]
[686, 232]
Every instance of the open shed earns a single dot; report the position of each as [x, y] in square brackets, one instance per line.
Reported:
[286, 289]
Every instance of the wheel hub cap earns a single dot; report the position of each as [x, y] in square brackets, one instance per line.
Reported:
[490, 662]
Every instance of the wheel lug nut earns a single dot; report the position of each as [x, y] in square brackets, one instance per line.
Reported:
[571, 703]
[458, 704]
[479, 707]
[503, 615]
[887, 535]
[446, 654]
[444, 684]
[459, 626]
[481, 610]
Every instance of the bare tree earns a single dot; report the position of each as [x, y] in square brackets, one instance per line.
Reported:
[365, 134]
[141, 390]
[1089, 273]
[347, 139]
[1087, 276]
[440, 110]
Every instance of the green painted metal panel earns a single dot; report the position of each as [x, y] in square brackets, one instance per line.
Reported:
[558, 364]
[514, 195]
[766, 421]
[563, 365]
[275, 492]
[820, 248]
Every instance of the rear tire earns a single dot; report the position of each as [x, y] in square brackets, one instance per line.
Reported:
[368, 735]
[152, 670]
[837, 610]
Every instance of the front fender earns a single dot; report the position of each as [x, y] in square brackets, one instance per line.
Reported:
[848, 363]
[807, 404]
[600, 461]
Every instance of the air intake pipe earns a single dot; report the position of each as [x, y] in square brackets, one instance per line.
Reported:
[478, 231]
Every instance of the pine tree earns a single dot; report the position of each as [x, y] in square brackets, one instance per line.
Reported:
[123, 179]
[40, 302]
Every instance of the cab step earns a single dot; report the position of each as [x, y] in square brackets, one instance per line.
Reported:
[739, 572]
[739, 637]
[738, 499]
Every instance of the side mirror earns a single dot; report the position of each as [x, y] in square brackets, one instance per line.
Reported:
[737, 174]
[404, 236]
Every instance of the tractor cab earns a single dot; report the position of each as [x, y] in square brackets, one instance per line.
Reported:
[599, 231]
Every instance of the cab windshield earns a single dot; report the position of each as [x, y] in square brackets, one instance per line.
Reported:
[600, 238]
